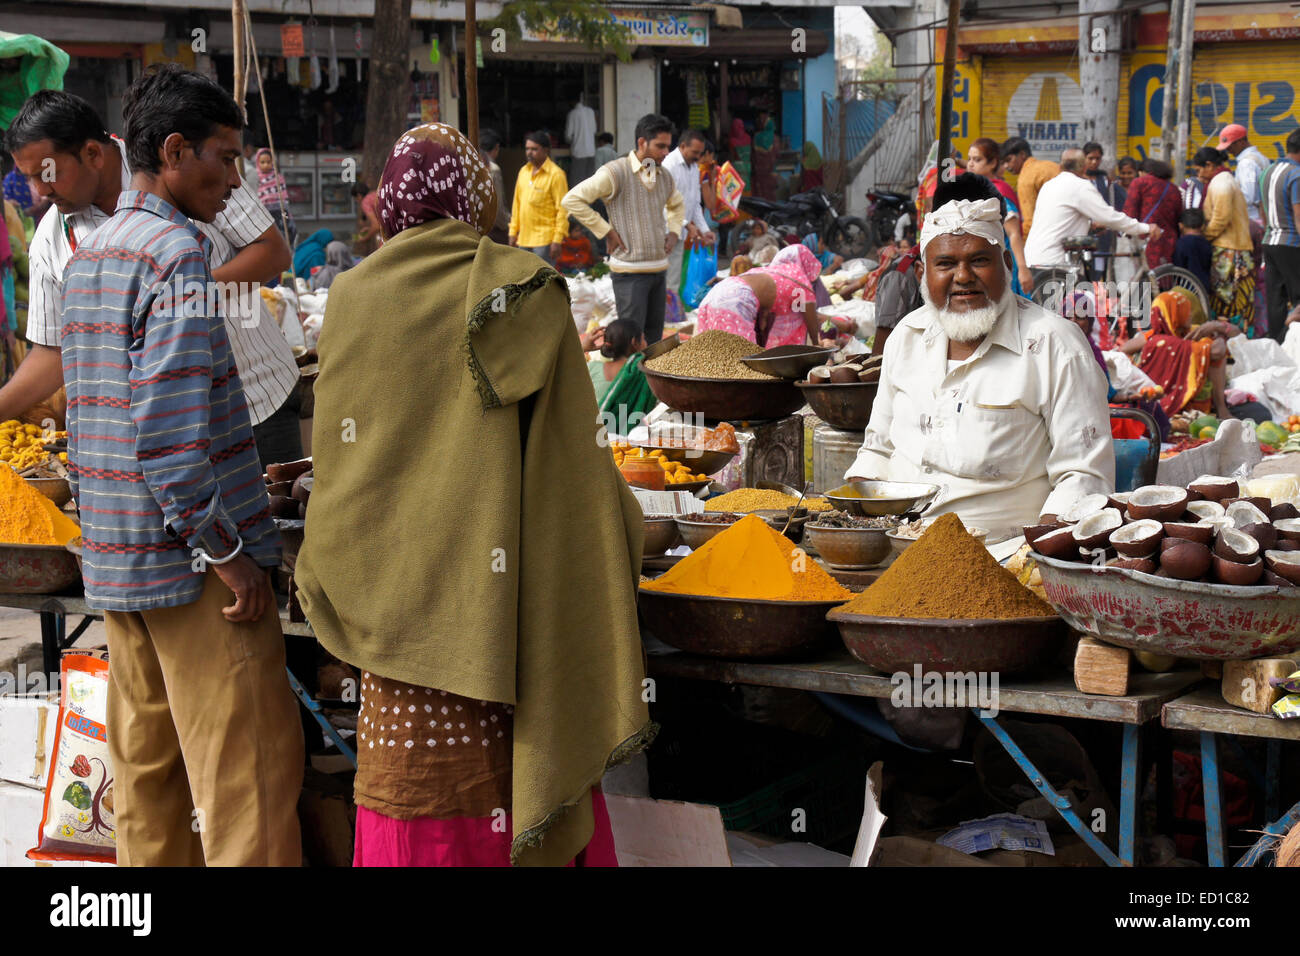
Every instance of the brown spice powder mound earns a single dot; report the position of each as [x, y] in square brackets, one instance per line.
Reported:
[946, 573]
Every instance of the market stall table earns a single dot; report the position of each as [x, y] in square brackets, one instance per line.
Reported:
[1050, 696]
[1204, 711]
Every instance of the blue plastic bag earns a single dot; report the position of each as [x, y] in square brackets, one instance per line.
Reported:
[702, 265]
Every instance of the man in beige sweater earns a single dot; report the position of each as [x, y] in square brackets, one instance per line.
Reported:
[645, 218]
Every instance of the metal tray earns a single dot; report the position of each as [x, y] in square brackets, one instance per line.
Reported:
[1176, 618]
[893, 644]
[882, 498]
[737, 629]
[788, 361]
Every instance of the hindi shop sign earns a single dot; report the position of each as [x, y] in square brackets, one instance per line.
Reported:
[644, 27]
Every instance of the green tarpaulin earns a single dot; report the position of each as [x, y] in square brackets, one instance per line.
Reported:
[27, 64]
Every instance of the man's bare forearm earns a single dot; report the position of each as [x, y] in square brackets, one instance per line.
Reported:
[38, 377]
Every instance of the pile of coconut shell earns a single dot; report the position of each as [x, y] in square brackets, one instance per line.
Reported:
[1204, 532]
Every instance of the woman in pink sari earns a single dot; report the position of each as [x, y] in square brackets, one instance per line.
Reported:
[772, 305]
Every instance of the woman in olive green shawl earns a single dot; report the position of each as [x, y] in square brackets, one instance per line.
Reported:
[497, 637]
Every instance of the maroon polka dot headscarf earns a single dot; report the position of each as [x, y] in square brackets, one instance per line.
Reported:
[434, 172]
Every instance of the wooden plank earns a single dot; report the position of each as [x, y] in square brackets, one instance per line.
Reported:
[1100, 668]
[838, 673]
[1246, 683]
[1204, 710]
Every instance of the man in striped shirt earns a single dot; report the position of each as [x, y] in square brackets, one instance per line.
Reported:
[61, 133]
[1279, 198]
[176, 525]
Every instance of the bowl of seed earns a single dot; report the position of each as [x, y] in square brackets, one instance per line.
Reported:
[705, 375]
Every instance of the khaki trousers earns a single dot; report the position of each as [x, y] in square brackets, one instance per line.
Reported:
[205, 737]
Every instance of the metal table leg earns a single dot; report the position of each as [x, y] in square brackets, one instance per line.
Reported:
[1215, 838]
[314, 708]
[1130, 770]
[1270, 838]
[1060, 803]
[1272, 779]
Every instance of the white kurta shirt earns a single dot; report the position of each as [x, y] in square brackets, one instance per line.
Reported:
[1019, 429]
[1067, 206]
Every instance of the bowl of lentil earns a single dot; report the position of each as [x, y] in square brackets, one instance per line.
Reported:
[705, 375]
[746, 500]
[699, 528]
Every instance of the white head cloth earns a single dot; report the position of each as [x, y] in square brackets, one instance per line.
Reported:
[982, 217]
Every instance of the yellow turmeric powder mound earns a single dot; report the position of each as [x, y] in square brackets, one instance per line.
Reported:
[24, 519]
[753, 561]
[946, 573]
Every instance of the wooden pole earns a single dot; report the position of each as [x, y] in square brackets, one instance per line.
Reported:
[1169, 114]
[471, 71]
[945, 96]
[1184, 88]
[241, 54]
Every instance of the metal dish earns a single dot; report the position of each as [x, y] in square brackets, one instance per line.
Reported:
[698, 533]
[788, 361]
[56, 489]
[660, 535]
[701, 461]
[881, 498]
[39, 568]
[691, 486]
[846, 406]
[892, 644]
[849, 549]
[725, 399]
[777, 486]
[1176, 618]
[779, 518]
[737, 628]
[662, 347]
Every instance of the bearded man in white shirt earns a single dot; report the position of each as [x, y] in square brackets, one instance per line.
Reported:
[985, 394]
[1068, 205]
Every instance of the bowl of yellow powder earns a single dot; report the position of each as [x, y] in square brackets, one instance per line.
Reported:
[747, 593]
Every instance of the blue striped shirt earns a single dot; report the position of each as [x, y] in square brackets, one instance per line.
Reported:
[160, 443]
[1279, 191]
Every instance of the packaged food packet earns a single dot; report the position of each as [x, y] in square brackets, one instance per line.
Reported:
[77, 818]
[1290, 683]
[1287, 707]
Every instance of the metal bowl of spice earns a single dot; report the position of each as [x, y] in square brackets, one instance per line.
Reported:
[738, 628]
[660, 535]
[849, 548]
[699, 528]
[56, 489]
[908, 531]
[876, 498]
[1007, 645]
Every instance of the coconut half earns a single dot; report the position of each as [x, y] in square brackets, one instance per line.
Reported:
[1200, 532]
[1233, 545]
[1242, 513]
[1059, 544]
[1263, 532]
[1284, 563]
[1084, 507]
[1161, 502]
[1206, 509]
[1284, 510]
[1215, 488]
[1137, 539]
[1186, 560]
[1095, 530]
[1288, 528]
[1236, 572]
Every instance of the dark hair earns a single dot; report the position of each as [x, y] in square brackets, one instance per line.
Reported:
[1192, 218]
[1209, 156]
[488, 140]
[690, 136]
[619, 336]
[603, 138]
[709, 147]
[1155, 167]
[170, 99]
[988, 148]
[65, 120]
[1092, 148]
[651, 125]
[1128, 161]
[1293, 141]
[966, 186]
[359, 188]
[538, 137]
[1015, 146]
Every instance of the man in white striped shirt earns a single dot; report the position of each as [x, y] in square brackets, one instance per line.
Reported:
[683, 164]
[61, 145]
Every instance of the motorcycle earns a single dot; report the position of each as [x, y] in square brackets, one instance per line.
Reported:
[883, 213]
[806, 213]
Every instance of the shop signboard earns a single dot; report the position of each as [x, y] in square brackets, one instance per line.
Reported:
[644, 27]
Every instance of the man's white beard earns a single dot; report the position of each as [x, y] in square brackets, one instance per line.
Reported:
[966, 326]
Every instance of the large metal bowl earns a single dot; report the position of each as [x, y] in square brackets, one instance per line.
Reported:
[788, 361]
[725, 399]
[56, 489]
[881, 498]
[893, 644]
[38, 568]
[734, 628]
[660, 535]
[1176, 618]
[849, 549]
[698, 533]
[662, 347]
[846, 406]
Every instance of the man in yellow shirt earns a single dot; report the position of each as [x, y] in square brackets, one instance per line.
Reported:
[1030, 173]
[538, 222]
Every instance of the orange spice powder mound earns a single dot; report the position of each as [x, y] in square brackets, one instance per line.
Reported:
[750, 560]
[24, 518]
[947, 573]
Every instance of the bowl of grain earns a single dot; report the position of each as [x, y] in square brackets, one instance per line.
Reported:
[705, 375]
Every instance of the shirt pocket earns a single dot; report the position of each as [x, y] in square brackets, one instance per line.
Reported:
[994, 439]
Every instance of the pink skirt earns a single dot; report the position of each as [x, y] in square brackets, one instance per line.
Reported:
[462, 841]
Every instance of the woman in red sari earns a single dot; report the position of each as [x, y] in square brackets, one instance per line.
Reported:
[1154, 198]
[1188, 363]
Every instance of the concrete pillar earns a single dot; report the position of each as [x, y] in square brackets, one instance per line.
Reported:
[1099, 62]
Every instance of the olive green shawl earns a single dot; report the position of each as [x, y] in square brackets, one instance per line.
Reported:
[467, 531]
